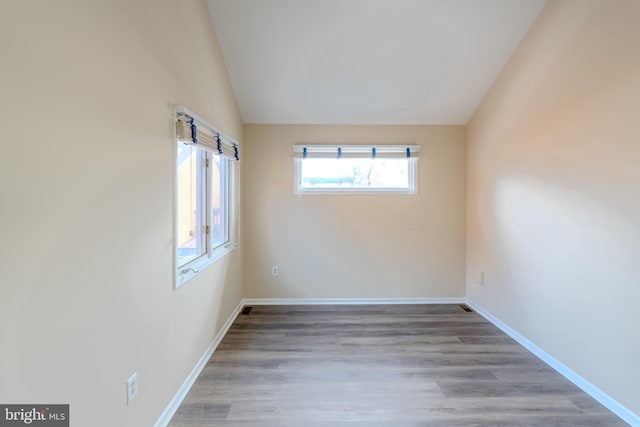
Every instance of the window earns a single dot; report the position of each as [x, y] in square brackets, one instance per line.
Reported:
[205, 161]
[355, 169]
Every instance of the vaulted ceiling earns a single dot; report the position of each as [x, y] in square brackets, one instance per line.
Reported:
[367, 61]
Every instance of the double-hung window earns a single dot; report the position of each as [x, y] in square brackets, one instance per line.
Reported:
[322, 169]
[205, 163]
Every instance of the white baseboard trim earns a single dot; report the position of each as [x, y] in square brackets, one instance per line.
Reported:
[182, 392]
[351, 301]
[593, 391]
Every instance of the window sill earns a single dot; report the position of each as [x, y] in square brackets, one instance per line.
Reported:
[188, 271]
[334, 191]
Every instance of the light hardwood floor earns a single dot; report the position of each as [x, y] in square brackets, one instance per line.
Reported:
[379, 366]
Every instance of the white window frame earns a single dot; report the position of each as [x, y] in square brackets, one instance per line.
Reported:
[357, 151]
[184, 273]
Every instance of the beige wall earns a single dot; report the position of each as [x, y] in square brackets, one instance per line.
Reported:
[360, 246]
[86, 186]
[554, 192]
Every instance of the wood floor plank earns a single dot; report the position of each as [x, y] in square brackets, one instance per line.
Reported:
[379, 366]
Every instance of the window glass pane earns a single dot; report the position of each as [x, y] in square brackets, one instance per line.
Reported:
[354, 173]
[219, 201]
[191, 241]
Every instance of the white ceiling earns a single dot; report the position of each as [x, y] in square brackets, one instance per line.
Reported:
[367, 61]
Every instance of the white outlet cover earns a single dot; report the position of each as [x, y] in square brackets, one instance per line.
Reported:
[132, 387]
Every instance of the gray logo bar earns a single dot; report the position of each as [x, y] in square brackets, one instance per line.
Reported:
[34, 415]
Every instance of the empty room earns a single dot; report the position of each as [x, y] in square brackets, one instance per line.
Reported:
[320, 213]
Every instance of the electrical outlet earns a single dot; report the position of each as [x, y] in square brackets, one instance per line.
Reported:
[275, 271]
[132, 387]
[482, 278]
